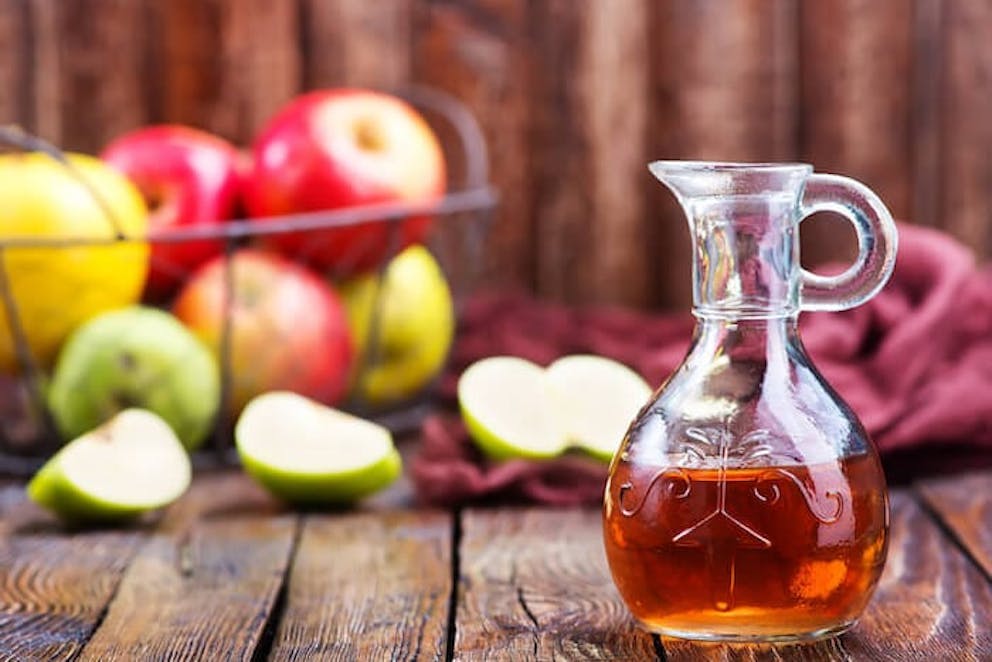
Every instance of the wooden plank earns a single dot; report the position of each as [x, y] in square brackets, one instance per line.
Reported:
[54, 584]
[966, 157]
[833, 650]
[368, 586]
[856, 103]
[90, 70]
[15, 62]
[357, 43]
[590, 108]
[269, 76]
[481, 54]
[725, 80]
[533, 584]
[931, 603]
[205, 581]
[964, 504]
[227, 65]
[614, 92]
[46, 64]
[189, 70]
[926, 111]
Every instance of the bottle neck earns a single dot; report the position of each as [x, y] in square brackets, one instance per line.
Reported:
[758, 341]
[745, 257]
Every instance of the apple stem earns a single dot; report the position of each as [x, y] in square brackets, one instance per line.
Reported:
[368, 136]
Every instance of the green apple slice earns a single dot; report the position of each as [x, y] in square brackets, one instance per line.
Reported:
[508, 409]
[597, 398]
[131, 464]
[304, 452]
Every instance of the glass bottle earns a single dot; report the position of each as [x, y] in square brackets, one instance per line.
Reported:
[746, 502]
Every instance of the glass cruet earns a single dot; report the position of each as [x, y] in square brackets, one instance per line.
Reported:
[746, 501]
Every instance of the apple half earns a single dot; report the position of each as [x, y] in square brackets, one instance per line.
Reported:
[307, 453]
[508, 409]
[596, 399]
[131, 464]
[513, 408]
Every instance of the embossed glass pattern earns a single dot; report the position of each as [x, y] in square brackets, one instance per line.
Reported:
[746, 501]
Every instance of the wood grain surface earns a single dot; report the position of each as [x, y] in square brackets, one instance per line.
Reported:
[227, 573]
[931, 602]
[204, 584]
[855, 93]
[368, 586]
[590, 106]
[357, 43]
[54, 583]
[84, 103]
[15, 69]
[966, 156]
[533, 585]
[558, 145]
[927, 99]
[964, 504]
[226, 66]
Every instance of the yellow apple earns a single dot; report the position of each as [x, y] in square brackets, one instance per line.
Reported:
[416, 325]
[57, 288]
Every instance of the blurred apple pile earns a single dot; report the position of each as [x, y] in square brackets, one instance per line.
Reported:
[144, 306]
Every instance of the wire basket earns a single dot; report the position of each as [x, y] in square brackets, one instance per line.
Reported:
[461, 220]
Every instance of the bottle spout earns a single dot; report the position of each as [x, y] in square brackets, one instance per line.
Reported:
[694, 179]
[742, 221]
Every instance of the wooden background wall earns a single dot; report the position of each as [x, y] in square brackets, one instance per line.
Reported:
[575, 97]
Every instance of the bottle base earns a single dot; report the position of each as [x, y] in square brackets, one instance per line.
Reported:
[756, 636]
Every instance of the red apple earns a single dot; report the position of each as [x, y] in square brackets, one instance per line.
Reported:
[341, 148]
[288, 329]
[189, 178]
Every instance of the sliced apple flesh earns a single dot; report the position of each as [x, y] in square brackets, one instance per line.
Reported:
[304, 452]
[508, 409]
[131, 464]
[597, 398]
[513, 408]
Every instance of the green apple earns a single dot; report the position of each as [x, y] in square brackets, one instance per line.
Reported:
[307, 453]
[131, 464]
[597, 398]
[416, 325]
[513, 408]
[135, 357]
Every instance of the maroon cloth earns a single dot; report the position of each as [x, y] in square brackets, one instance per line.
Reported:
[915, 363]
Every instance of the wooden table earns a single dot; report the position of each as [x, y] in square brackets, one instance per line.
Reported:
[226, 573]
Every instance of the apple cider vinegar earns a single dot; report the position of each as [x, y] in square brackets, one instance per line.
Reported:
[750, 551]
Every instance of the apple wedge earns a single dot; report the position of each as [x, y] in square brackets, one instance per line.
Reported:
[306, 453]
[513, 408]
[131, 464]
[596, 398]
[508, 409]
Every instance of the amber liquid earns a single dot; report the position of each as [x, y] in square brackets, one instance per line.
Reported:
[788, 552]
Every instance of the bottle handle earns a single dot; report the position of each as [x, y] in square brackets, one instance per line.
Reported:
[877, 243]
